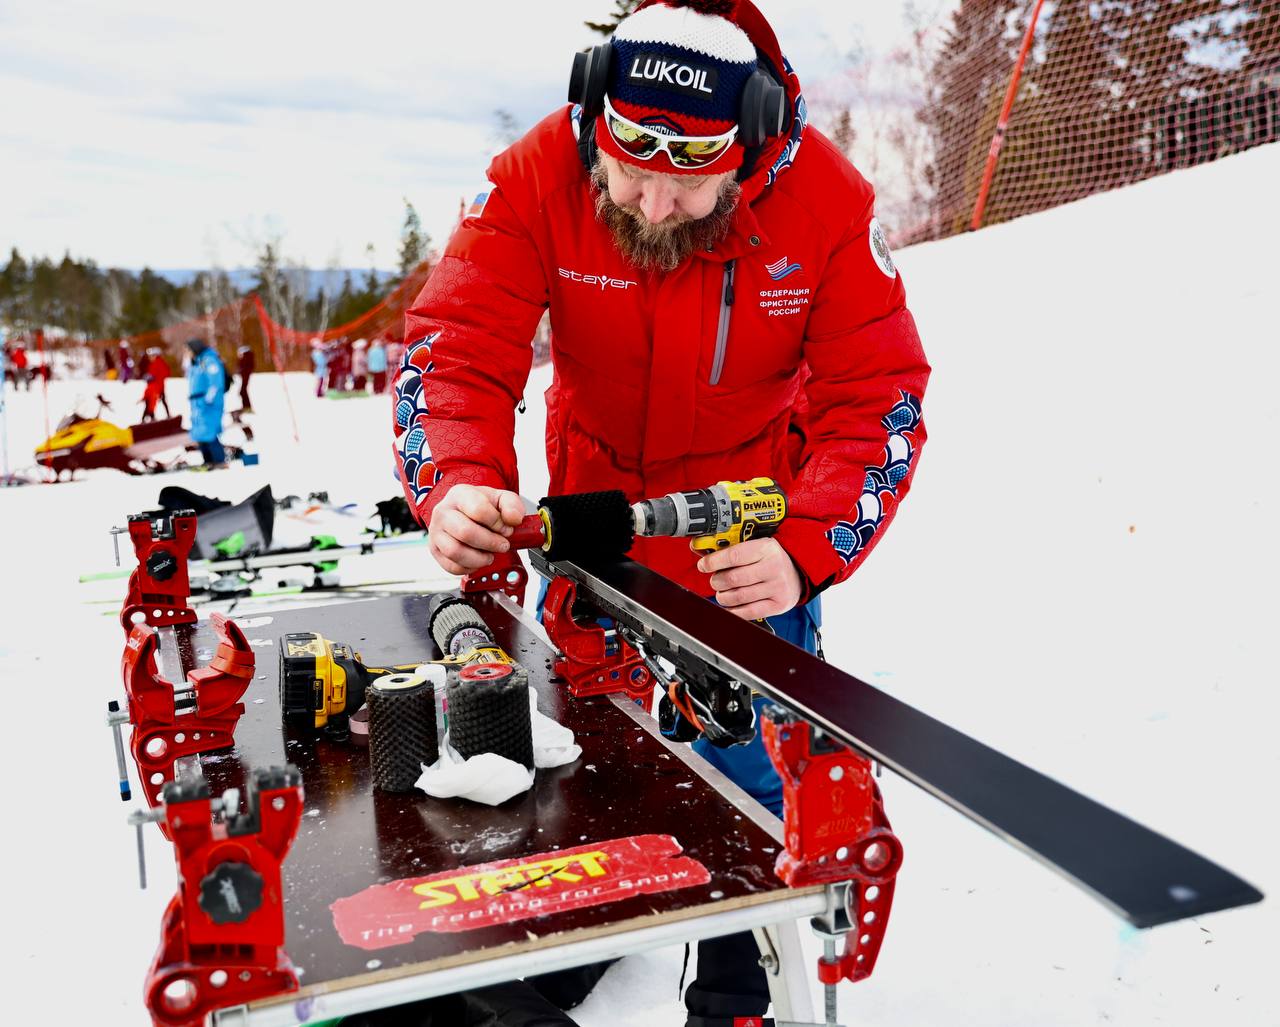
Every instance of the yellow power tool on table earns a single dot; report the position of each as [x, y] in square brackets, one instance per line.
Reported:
[323, 682]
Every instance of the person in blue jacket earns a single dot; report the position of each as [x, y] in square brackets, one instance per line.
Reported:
[206, 384]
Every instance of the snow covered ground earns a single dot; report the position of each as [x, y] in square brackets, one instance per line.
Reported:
[1084, 577]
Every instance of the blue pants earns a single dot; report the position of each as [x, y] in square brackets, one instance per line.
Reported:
[748, 766]
[213, 452]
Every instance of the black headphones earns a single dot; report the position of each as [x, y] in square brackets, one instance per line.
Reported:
[762, 110]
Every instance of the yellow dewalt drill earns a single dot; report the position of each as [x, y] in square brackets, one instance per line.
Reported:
[723, 515]
[604, 524]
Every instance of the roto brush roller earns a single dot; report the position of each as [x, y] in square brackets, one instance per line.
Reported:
[489, 712]
[583, 525]
[402, 730]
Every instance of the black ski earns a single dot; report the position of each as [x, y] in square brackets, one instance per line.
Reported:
[1142, 876]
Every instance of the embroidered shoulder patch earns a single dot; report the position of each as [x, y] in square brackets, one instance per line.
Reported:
[880, 249]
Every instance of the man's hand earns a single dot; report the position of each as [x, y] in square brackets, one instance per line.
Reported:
[753, 579]
[471, 524]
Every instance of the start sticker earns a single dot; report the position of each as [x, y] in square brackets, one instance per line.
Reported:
[509, 890]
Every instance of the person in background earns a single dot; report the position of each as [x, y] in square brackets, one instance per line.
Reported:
[359, 365]
[319, 364]
[19, 369]
[339, 364]
[395, 353]
[245, 364]
[125, 363]
[156, 369]
[377, 362]
[153, 391]
[206, 381]
[108, 365]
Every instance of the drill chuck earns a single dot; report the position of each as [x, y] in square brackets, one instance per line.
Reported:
[706, 511]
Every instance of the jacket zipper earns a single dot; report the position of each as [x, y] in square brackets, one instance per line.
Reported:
[722, 329]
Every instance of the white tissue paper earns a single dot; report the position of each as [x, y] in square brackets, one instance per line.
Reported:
[492, 779]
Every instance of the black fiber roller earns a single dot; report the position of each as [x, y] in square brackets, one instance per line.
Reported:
[402, 730]
[489, 712]
[588, 524]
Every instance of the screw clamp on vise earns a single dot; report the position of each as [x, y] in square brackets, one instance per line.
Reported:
[171, 723]
[836, 834]
[222, 933]
[159, 587]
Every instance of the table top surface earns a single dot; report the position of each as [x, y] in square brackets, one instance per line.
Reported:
[625, 796]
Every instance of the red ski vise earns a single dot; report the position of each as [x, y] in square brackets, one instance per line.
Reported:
[593, 662]
[836, 833]
[221, 936]
[506, 574]
[170, 723]
[159, 586]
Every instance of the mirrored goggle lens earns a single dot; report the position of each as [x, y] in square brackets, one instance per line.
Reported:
[697, 153]
[633, 140]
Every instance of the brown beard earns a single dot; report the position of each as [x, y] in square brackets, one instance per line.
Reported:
[664, 246]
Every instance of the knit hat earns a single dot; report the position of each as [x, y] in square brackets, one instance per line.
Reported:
[679, 68]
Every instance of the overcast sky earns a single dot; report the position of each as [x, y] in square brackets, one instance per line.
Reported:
[181, 134]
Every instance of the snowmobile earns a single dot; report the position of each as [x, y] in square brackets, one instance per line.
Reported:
[86, 440]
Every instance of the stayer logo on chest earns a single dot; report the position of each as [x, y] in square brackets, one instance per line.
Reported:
[601, 281]
[658, 72]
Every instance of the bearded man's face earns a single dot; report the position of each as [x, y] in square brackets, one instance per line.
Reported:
[658, 220]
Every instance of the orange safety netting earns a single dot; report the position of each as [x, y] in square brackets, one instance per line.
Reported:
[1111, 92]
[245, 322]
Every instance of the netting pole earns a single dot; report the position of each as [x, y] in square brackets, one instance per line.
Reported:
[275, 359]
[997, 140]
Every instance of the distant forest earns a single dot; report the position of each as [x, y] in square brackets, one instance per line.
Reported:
[87, 301]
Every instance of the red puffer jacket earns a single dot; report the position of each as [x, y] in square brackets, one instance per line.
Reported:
[786, 351]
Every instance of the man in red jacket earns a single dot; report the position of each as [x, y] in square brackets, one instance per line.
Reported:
[724, 305]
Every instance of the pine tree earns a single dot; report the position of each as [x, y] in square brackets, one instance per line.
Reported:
[372, 286]
[621, 8]
[413, 241]
[843, 134]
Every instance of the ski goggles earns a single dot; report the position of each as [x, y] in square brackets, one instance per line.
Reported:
[683, 151]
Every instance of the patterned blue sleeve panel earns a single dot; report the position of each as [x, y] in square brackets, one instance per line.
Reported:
[413, 457]
[881, 484]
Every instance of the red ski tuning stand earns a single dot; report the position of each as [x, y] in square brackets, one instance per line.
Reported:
[836, 833]
[222, 933]
[506, 574]
[589, 663]
[169, 722]
[159, 586]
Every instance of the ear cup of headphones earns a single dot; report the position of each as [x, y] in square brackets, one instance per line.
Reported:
[590, 78]
[763, 110]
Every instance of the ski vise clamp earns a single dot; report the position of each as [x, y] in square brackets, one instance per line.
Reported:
[221, 936]
[159, 586]
[170, 723]
[592, 662]
[836, 834]
[506, 574]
